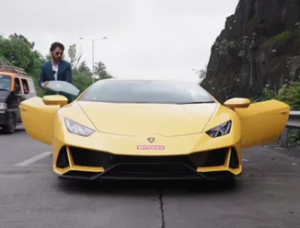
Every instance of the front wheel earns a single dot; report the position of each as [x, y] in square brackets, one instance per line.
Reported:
[11, 125]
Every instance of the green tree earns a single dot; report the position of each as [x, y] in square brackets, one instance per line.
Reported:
[81, 73]
[83, 67]
[98, 68]
[48, 57]
[104, 75]
[100, 71]
[202, 73]
[19, 51]
[81, 79]
[74, 56]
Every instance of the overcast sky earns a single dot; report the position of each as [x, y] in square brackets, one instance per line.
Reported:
[145, 38]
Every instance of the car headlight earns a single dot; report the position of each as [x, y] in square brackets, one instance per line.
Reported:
[220, 130]
[3, 106]
[78, 129]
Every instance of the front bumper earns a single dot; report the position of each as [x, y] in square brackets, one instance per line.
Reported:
[78, 163]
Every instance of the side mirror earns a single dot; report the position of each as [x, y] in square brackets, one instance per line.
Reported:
[55, 100]
[237, 103]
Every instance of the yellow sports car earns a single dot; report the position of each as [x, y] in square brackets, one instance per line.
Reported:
[149, 129]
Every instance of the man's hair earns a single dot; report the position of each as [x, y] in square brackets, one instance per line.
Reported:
[57, 45]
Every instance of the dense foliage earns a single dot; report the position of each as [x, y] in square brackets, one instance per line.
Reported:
[20, 52]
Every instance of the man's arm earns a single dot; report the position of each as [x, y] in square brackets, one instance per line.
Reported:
[43, 77]
[69, 73]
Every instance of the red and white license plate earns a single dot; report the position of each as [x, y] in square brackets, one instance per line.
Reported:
[150, 147]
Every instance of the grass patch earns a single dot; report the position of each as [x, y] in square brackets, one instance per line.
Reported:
[279, 38]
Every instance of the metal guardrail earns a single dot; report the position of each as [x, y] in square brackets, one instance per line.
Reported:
[294, 122]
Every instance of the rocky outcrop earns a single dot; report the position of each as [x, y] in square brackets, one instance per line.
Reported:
[259, 46]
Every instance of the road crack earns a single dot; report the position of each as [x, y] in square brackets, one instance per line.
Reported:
[161, 207]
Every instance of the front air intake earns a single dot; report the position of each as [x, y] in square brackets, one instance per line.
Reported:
[63, 160]
[234, 160]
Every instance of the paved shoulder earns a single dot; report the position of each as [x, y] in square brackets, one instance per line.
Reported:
[19, 147]
[267, 195]
[33, 197]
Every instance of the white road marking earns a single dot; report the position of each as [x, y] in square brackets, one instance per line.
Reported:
[279, 148]
[245, 160]
[33, 159]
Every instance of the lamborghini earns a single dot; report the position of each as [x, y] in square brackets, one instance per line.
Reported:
[149, 129]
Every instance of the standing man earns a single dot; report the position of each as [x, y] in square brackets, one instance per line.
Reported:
[57, 69]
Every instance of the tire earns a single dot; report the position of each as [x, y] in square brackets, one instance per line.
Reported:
[11, 126]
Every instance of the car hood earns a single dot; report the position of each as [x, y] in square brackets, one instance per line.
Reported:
[139, 119]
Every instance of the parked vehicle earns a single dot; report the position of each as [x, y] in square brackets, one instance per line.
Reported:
[15, 87]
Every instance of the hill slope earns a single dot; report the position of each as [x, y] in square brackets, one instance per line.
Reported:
[259, 46]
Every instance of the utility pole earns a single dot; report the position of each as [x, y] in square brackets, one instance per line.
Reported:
[93, 62]
[93, 52]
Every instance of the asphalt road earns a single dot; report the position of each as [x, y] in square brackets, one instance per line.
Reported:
[266, 196]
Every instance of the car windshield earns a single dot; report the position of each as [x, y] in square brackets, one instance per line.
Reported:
[5, 83]
[62, 87]
[142, 91]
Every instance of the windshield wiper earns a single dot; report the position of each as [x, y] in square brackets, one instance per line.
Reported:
[198, 102]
